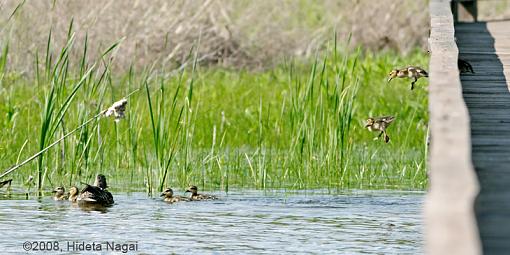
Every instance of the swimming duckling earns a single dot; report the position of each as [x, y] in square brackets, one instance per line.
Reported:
[408, 72]
[380, 124]
[60, 194]
[6, 182]
[169, 196]
[464, 66]
[195, 196]
[73, 194]
[97, 193]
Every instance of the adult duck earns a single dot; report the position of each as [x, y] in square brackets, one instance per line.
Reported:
[96, 194]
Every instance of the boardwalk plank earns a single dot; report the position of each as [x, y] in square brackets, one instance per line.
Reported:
[486, 94]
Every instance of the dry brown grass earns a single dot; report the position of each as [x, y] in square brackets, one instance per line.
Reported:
[234, 33]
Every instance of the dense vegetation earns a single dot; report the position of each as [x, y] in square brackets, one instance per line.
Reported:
[298, 125]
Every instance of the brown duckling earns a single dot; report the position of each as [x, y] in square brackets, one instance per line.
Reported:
[195, 196]
[73, 194]
[60, 194]
[96, 194]
[408, 72]
[169, 196]
[379, 124]
[464, 66]
[6, 182]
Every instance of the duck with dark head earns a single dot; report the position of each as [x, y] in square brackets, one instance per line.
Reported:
[195, 196]
[96, 194]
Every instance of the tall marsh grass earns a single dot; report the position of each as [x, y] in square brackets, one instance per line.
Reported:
[298, 125]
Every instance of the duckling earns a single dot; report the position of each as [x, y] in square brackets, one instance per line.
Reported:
[464, 66]
[169, 196]
[6, 182]
[73, 194]
[380, 124]
[195, 196]
[409, 72]
[60, 194]
[97, 193]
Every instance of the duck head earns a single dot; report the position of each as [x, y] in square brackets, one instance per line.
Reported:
[392, 74]
[59, 191]
[167, 193]
[73, 191]
[100, 181]
[370, 122]
[193, 189]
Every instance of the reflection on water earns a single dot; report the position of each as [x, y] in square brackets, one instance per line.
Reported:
[382, 222]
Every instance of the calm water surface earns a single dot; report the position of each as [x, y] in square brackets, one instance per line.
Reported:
[354, 222]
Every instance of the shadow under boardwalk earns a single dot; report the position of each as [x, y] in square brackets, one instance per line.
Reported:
[486, 45]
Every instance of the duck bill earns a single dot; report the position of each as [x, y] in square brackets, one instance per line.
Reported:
[389, 79]
[187, 191]
[162, 195]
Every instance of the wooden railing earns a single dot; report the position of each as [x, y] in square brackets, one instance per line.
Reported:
[450, 224]
[463, 8]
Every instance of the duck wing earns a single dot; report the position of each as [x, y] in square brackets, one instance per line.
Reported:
[206, 197]
[417, 70]
[95, 195]
[181, 198]
[176, 199]
[422, 72]
[387, 119]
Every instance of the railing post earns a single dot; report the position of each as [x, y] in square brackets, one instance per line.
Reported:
[468, 10]
[450, 223]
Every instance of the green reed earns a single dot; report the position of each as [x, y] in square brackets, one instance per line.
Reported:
[59, 90]
[299, 125]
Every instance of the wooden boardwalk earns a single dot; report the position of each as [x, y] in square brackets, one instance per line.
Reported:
[486, 45]
[468, 205]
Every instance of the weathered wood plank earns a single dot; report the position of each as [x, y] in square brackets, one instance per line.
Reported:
[487, 95]
[450, 226]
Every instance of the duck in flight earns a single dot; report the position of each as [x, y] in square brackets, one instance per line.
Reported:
[379, 124]
[412, 72]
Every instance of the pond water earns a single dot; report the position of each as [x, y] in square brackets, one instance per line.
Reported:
[354, 222]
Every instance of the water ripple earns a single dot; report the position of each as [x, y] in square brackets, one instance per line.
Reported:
[381, 222]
